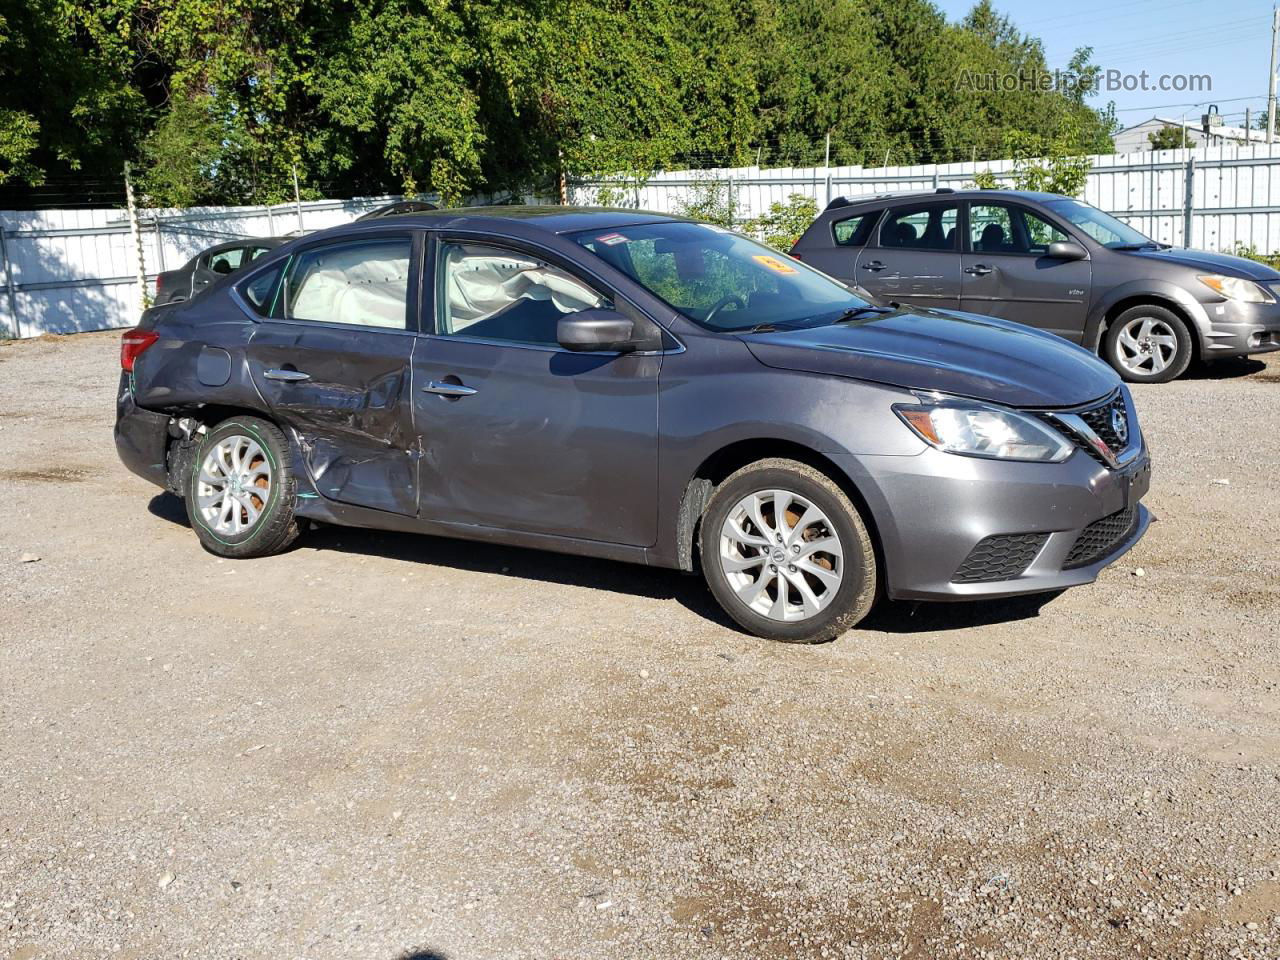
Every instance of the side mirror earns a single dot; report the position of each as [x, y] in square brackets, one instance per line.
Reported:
[1066, 250]
[596, 330]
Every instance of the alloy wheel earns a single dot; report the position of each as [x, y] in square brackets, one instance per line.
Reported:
[233, 485]
[781, 555]
[1146, 346]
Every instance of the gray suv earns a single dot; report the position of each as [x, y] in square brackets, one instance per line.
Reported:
[634, 387]
[1054, 263]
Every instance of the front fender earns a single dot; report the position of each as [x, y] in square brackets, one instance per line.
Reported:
[1145, 289]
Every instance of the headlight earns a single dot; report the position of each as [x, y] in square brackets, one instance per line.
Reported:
[977, 431]
[1235, 288]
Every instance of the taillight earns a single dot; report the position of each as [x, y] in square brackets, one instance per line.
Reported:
[159, 282]
[132, 344]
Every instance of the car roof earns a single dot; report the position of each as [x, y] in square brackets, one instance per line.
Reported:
[244, 242]
[941, 194]
[553, 219]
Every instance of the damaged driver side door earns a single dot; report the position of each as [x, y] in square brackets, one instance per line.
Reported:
[332, 361]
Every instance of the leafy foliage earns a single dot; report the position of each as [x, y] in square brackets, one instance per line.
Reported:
[1167, 137]
[782, 225]
[222, 100]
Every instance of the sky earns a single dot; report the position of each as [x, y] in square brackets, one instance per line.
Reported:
[1228, 40]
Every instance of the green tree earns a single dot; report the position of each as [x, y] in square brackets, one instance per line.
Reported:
[1167, 137]
[783, 224]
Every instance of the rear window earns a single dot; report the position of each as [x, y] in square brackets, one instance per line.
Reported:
[854, 231]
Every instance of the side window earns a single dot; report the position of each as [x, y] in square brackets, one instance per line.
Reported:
[854, 231]
[991, 229]
[488, 293]
[1040, 232]
[226, 261]
[256, 252]
[259, 291]
[921, 228]
[365, 283]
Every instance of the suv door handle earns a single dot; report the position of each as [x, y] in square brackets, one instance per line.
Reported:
[288, 376]
[978, 270]
[875, 265]
[446, 389]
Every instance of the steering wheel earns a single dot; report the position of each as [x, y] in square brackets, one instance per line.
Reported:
[724, 302]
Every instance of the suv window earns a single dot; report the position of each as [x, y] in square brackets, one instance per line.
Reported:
[999, 228]
[488, 293]
[365, 283]
[921, 228]
[854, 231]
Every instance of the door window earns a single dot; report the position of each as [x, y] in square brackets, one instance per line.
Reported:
[921, 228]
[226, 261]
[488, 293]
[997, 228]
[854, 231]
[365, 284]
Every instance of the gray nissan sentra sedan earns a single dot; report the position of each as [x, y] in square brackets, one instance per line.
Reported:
[635, 387]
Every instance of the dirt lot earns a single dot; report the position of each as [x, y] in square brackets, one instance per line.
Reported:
[387, 746]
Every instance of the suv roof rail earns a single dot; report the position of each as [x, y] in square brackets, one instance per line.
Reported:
[838, 202]
[945, 190]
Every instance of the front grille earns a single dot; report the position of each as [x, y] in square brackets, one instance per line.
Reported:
[1001, 557]
[1099, 419]
[1101, 538]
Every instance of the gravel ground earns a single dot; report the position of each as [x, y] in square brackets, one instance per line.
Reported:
[389, 746]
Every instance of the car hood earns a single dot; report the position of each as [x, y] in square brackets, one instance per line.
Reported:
[945, 351]
[1209, 262]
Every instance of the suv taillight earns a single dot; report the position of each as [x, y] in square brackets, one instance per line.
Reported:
[132, 344]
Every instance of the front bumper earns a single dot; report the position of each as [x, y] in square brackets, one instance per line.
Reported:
[933, 509]
[1237, 329]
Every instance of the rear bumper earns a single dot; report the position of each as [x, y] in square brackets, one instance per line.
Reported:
[932, 510]
[142, 437]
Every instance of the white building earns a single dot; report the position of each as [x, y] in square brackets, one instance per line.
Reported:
[1132, 139]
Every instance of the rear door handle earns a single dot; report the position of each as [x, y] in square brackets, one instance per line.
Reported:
[978, 270]
[288, 376]
[875, 265]
[446, 389]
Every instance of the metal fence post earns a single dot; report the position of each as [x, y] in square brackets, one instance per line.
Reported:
[8, 285]
[1188, 201]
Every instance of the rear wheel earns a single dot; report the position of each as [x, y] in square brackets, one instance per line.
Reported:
[786, 553]
[241, 492]
[1148, 344]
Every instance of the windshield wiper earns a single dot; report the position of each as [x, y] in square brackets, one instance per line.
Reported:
[857, 313]
[1148, 245]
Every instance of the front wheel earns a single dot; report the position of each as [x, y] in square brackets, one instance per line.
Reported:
[786, 553]
[241, 492]
[1148, 344]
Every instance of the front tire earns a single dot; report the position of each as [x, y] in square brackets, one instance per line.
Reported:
[1148, 344]
[787, 554]
[240, 494]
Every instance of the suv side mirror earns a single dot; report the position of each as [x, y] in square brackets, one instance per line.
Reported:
[1066, 250]
[596, 330]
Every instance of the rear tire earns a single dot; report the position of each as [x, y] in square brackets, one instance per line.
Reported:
[787, 554]
[1148, 344]
[240, 492]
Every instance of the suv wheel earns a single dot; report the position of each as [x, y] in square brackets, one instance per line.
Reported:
[240, 496]
[786, 553]
[1148, 344]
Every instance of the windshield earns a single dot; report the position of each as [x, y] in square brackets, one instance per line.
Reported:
[1103, 227]
[719, 279]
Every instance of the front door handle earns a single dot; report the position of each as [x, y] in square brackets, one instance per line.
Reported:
[287, 376]
[874, 265]
[978, 270]
[447, 389]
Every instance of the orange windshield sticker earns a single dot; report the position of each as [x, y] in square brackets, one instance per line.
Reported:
[774, 264]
